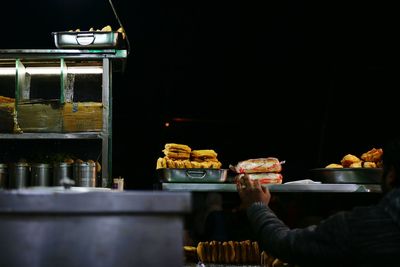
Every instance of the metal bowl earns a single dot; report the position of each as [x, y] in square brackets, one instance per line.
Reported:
[347, 175]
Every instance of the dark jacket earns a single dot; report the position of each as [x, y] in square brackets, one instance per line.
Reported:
[365, 236]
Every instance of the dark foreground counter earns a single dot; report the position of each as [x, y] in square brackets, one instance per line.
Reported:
[79, 227]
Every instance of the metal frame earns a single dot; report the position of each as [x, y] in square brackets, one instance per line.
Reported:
[110, 58]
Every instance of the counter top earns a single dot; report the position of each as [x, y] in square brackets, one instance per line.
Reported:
[316, 188]
[78, 200]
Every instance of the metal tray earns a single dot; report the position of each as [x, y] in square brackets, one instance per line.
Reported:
[195, 175]
[347, 175]
[87, 39]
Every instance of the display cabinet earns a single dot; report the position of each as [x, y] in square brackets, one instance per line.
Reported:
[58, 103]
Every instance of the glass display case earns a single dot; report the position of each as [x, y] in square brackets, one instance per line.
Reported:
[56, 106]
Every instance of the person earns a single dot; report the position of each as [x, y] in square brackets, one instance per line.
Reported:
[363, 236]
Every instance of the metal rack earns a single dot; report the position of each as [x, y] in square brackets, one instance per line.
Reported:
[283, 188]
[108, 60]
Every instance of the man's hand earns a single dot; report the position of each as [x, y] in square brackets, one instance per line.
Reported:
[251, 191]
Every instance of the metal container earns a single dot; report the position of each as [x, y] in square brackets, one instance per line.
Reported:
[86, 39]
[3, 175]
[41, 174]
[85, 174]
[19, 175]
[85, 227]
[194, 175]
[347, 175]
[61, 170]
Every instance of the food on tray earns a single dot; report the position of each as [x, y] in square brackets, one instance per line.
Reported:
[229, 252]
[369, 159]
[269, 164]
[369, 164]
[265, 177]
[182, 156]
[177, 151]
[334, 165]
[5, 99]
[266, 170]
[373, 155]
[106, 28]
[349, 159]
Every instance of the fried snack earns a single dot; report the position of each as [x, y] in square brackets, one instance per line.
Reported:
[204, 153]
[179, 164]
[369, 164]
[243, 251]
[356, 165]
[231, 251]
[122, 31]
[201, 252]
[5, 99]
[106, 29]
[373, 155]
[214, 251]
[170, 163]
[195, 164]
[216, 165]
[187, 164]
[348, 160]
[177, 148]
[221, 258]
[176, 155]
[256, 252]
[238, 258]
[334, 165]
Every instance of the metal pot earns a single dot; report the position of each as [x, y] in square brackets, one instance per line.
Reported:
[19, 175]
[41, 174]
[85, 174]
[3, 175]
[61, 170]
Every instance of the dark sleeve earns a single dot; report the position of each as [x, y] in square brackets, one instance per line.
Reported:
[327, 242]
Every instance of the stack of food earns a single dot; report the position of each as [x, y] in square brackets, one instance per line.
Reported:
[369, 159]
[266, 170]
[229, 252]
[182, 156]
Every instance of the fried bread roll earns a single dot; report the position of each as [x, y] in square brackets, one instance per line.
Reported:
[348, 160]
[373, 155]
[204, 153]
[334, 165]
[173, 147]
[176, 155]
[161, 163]
[221, 258]
[369, 164]
[238, 259]
[201, 252]
[256, 252]
[356, 165]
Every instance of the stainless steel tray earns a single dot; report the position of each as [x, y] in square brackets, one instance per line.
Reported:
[195, 175]
[87, 39]
[347, 175]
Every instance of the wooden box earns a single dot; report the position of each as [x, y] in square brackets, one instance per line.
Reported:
[82, 117]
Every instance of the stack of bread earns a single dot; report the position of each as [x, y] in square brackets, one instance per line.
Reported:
[266, 170]
[182, 156]
[369, 159]
[229, 252]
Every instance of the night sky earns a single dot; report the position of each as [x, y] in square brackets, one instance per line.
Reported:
[304, 81]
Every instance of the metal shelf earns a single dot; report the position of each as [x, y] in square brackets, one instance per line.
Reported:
[78, 135]
[299, 188]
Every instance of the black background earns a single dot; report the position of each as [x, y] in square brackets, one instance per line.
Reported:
[304, 81]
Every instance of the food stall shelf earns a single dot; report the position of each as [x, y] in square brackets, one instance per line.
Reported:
[316, 188]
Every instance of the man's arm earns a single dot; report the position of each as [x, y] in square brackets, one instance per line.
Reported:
[327, 242]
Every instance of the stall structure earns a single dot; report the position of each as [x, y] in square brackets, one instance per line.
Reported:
[56, 106]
